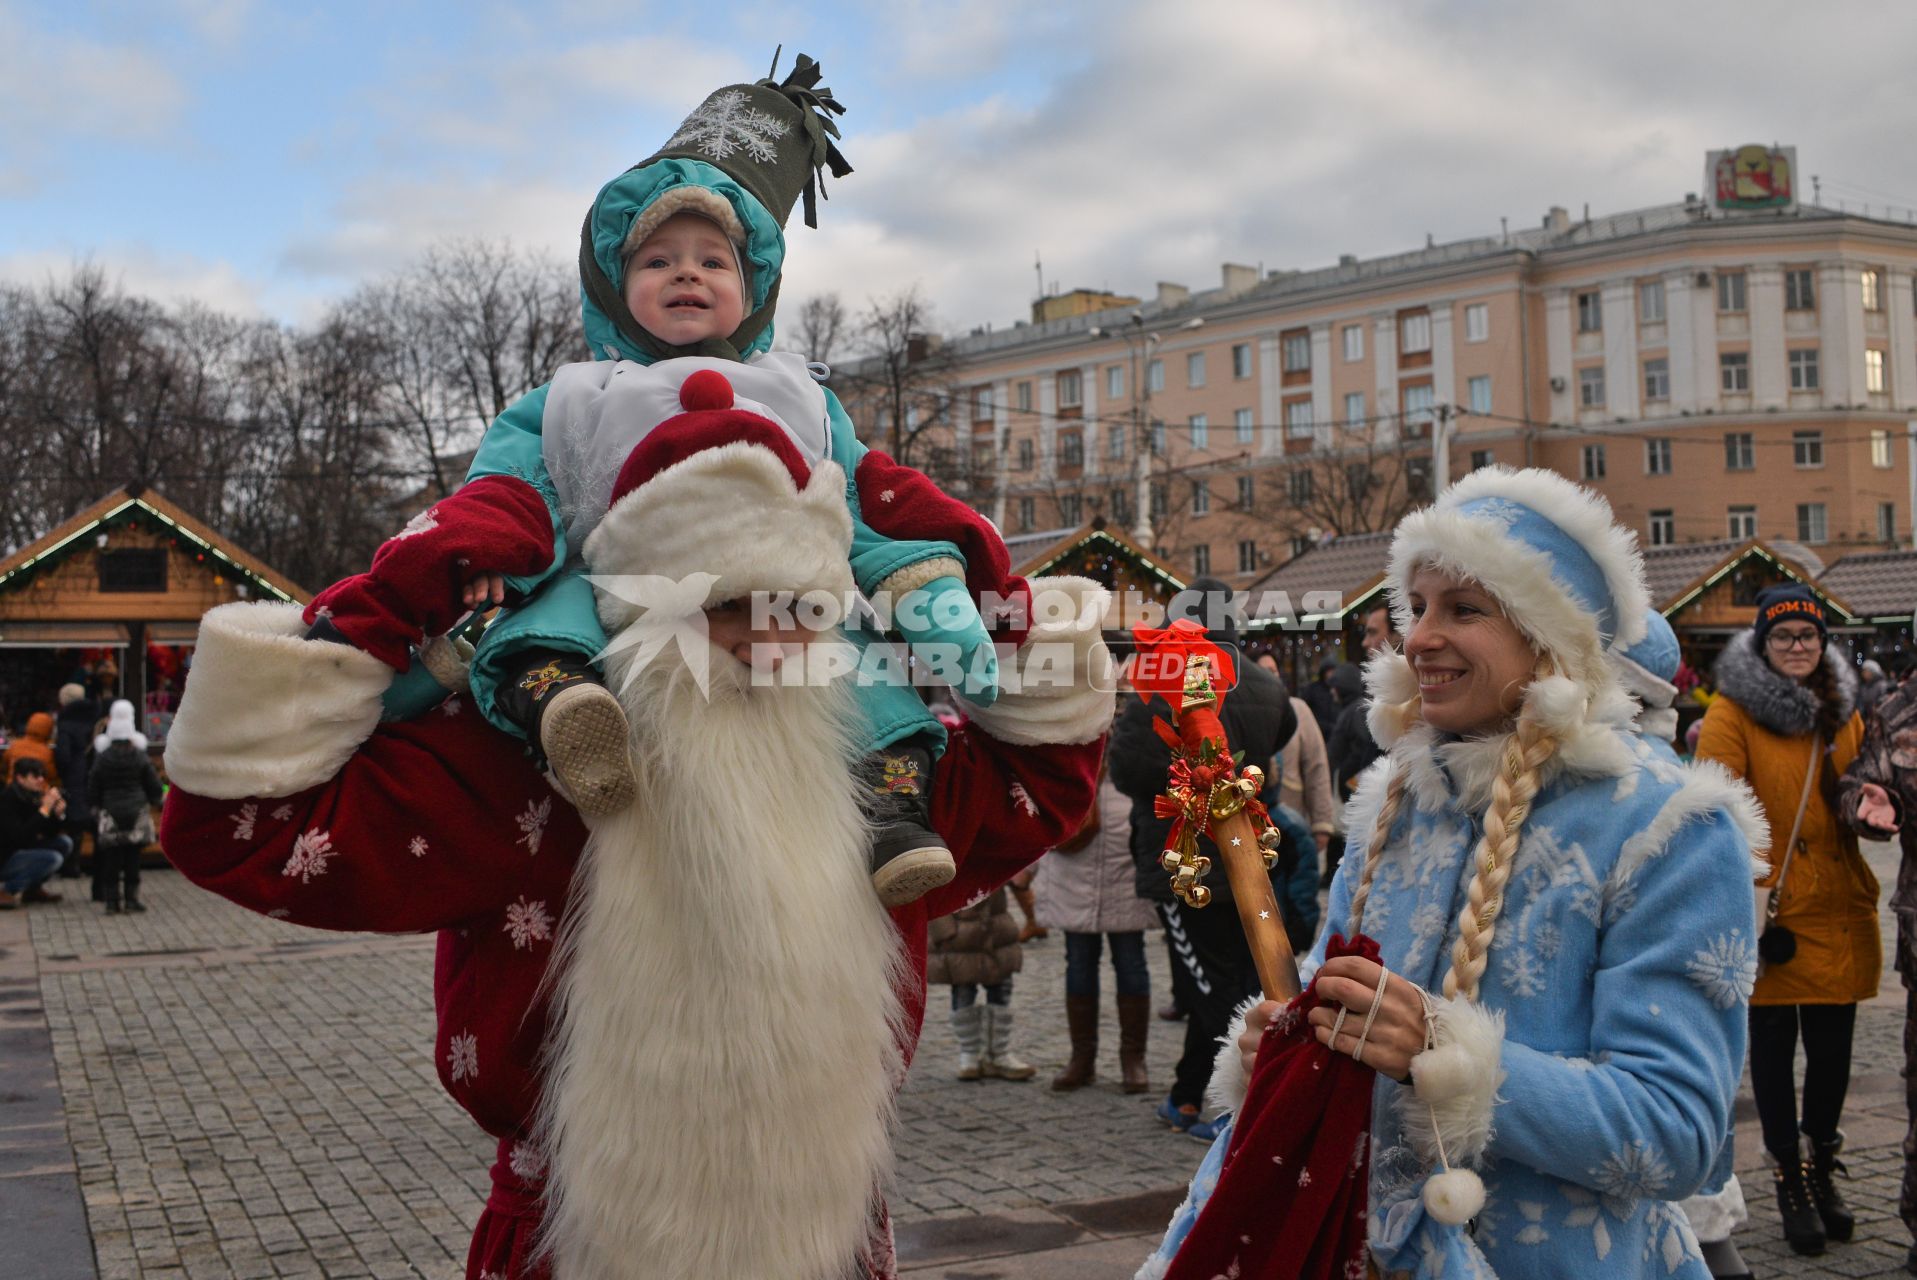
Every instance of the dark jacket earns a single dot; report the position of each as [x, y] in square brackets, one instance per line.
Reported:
[124, 783]
[1323, 701]
[1258, 720]
[1888, 757]
[22, 825]
[1352, 748]
[73, 730]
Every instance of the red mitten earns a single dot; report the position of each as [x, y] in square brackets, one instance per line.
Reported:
[495, 524]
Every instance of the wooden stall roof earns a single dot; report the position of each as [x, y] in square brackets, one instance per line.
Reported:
[28, 559]
[1879, 585]
[1352, 566]
[1677, 575]
[1093, 537]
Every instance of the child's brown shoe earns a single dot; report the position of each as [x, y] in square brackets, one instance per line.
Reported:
[582, 731]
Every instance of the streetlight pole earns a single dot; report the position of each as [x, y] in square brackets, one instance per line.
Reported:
[1139, 343]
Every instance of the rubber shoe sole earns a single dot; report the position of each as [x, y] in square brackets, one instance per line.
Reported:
[583, 734]
[913, 874]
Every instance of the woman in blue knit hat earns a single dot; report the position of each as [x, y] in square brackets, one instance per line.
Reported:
[1786, 722]
[1559, 1023]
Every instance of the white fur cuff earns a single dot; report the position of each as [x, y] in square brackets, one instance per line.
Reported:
[1226, 1092]
[1714, 1215]
[449, 661]
[1455, 1084]
[916, 575]
[1058, 688]
[267, 712]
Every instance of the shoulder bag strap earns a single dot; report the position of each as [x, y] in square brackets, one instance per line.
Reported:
[1797, 824]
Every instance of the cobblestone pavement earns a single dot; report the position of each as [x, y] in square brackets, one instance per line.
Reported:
[249, 1098]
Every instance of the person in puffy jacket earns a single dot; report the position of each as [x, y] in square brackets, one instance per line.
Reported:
[35, 744]
[977, 946]
[1085, 888]
[123, 787]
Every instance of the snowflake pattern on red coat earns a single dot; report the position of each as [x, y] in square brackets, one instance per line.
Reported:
[311, 853]
[532, 823]
[527, 923]
[462, 1057]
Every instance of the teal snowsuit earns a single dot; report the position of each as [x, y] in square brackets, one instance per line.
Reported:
[560, 613]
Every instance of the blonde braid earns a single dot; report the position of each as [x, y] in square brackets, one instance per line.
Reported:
[1387, 814]
[1517, 785]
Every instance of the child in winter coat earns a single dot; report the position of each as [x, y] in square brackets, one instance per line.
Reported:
[977, 946]
[1559, 1021]
[680, 263]
[122, 787]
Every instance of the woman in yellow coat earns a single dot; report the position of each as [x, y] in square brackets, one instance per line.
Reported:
[1786, 693]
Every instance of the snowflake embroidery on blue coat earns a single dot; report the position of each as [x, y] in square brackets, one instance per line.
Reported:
[1636, 1173]
[1725, 970]
[724, 124]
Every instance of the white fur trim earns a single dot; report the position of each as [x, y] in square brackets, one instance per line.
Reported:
[704, 201]
[448, 661]
[914, 576]
[734, 513]
[1058, 687]
[267, 712]
[1226, 1092]
[1392, 687]
[1455, 1084]
[1716, 1215]
[1155, 1267]
[1708, 787]
[1454, 1196]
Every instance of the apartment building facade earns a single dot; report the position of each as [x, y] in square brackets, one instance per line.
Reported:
[1717, 367]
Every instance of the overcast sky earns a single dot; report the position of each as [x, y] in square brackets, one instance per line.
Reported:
[266, 160]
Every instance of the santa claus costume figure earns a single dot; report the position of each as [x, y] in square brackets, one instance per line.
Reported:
[687, 1025]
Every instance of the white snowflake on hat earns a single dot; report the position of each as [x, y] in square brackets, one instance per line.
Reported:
[724, 124]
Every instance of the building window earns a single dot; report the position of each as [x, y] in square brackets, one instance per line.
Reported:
[1119, 506]
[981, 403]
[1650, 302]
[1593, 468]
[1025, 455]
[1879, 447]
[1200, 431]
[1299, 545]
[1298, 486]
[1657, 379]
[1418, 402]
[1414, 332]
[1247, 556]
[1874, 371]
[1803, 362]
[1158, 436]
[1657, 456]
[1734, 372]
[1114, 382]
[1241, 360]
[1298, 424]
[1354, 408]
[1296, 352]
[1812, 525]
[1354, 340]
[1799, 293]
[1481, 458]
[1807, 448]
[133, 569]
[1154, 375]
[1478, 390]
[1247, 491]
[1115, 440]
[1069, 508]
[1740, 452]
[1200, 498]
[1242, 426]
[1591, 386]
[1201, 560]
[1873, 299]
[1591, 312]
[1025, 513]
[1730, 291]
[1024, 394]
[1743, 522]
[1161, 500]
[1195, 369]
[1886, 522]
[1477, 322]
[1071, 449]
[1071, 390]
[1663, 528]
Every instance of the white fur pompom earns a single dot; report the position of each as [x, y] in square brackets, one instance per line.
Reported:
[1446, 1072]
[1559, 704]
[1454, 1196]
[1393, 689]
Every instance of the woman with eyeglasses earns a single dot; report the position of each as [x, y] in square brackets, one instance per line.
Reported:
[1787, 723]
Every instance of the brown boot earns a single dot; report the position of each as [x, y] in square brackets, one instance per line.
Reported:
[1081, 1020]
[1028, 907]
[1134, 1020]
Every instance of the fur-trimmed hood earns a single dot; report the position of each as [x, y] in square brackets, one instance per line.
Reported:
[1776, 701]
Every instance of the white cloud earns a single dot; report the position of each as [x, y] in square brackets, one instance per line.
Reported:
[168, 278]
[53, 85]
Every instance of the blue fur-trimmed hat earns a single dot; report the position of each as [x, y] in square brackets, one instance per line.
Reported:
[1549, 551]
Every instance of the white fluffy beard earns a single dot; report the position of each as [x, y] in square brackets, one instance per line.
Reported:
[719, 1098]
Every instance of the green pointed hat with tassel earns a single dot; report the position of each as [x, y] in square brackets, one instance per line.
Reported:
[776, 140]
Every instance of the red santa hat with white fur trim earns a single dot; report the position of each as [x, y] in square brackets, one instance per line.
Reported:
[720, 491]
